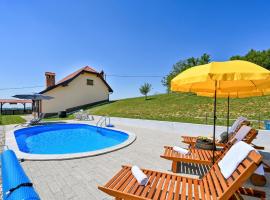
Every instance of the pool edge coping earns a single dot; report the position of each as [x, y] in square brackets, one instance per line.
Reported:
[11, 143]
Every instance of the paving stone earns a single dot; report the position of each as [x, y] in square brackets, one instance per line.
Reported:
[79, 178]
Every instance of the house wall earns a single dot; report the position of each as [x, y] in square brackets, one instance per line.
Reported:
[76, 93]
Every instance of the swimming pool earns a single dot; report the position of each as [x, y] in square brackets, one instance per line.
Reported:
[68, 139]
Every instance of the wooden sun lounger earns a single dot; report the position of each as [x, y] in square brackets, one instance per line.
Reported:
[191, 141]
[196, 156]
[201, 156]
[169, 186]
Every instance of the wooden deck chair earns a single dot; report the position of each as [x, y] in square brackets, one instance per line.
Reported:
[201, 156]
[169, 186]
[196, 156]
[191, 140]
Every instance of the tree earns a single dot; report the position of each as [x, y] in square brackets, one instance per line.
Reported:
[261, 58]
[145, 89]
[182, 65]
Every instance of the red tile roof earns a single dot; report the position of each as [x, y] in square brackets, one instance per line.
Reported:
[86, 68]
[15, 101]
[72, 76]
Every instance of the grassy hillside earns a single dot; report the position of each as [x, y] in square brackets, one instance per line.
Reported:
[185, 107]
[11, 119]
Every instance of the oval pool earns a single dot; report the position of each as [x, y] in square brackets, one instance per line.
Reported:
[67, 139]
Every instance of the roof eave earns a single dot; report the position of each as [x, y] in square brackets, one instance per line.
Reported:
[69, 80]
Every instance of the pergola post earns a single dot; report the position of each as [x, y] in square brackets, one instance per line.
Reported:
[33, 104]
[24, 108]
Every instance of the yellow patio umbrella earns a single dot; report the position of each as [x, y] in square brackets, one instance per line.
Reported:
[230, 76]
[222, 77]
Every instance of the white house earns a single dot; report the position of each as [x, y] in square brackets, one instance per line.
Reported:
[82, 88]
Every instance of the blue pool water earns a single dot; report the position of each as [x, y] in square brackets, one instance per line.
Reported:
[66, 138]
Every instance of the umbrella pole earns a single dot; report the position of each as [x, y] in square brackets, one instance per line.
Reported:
[215, 117]
[228, 117]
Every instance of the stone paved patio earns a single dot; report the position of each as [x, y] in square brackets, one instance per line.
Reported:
[2, 141]
[79, 178]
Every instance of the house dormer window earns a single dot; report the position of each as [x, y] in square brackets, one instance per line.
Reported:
[90, 82]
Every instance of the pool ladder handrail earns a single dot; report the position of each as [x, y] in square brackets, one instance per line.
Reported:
[102, 120]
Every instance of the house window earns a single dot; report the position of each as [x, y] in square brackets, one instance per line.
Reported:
[90, 82]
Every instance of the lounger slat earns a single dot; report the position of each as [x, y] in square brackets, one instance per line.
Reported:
[151, 179]
[216, 182]
[139, 190]
[177, 188]
[196, 190]
[115, 177]
[171, 188]
[192, 153]
[153, 187]
[134, 188]
[123, 180]
[130, 185]
[119, 178]
[190, 192]
[237, 172]
[141, 187]
[202, 191]
[199, 153]
[211, 186]
[220, 177]
[159, 187]
[209, 154]
[233, 177]
[183, 189]
[136, 185]
[165, 188]
[124, 185]
[206, 188]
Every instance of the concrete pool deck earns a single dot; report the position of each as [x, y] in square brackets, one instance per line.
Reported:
[79, 178]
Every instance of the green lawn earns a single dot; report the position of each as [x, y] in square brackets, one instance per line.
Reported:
[11, 119]
[184, 107]
[58, 119]
[174, 107]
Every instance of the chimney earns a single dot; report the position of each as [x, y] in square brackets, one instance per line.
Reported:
[50, 79]
[102, 73]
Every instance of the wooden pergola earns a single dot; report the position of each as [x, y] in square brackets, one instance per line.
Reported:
[14, 101]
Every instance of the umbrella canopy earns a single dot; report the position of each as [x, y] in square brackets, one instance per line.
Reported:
[222, 78]
[230, 76]
[35, 96]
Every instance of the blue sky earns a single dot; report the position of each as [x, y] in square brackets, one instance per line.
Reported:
[122, 37]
